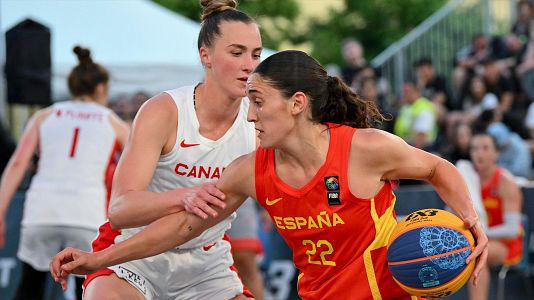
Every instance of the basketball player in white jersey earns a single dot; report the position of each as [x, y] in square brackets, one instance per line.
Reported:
[66, 202]
[181, 139]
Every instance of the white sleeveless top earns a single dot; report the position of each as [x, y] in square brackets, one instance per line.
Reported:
[76, 144]
[195, 159]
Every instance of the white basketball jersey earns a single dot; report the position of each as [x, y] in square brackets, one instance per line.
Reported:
[76, 143]
[195, 159]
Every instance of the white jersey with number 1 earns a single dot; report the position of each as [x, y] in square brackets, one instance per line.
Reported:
[76, 144]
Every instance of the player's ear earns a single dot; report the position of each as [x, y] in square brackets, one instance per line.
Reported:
[205, 57]
[299, 103]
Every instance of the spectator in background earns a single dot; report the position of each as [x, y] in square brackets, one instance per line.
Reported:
[123, 108]
[434, 86]
[498, 84]
[416, 122]
[368, 90]
[502, 87]
[461, 136]
[352, 52]
[137, 100]
[525, 14]
[514, 153]
[525, 70]
[468, 58]
[502, 200]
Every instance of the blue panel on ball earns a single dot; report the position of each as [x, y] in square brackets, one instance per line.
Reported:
[426, 273]
[428, 241]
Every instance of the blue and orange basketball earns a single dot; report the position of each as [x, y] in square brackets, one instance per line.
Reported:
[427, 251]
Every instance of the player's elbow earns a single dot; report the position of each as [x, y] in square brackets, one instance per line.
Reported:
[115, 216]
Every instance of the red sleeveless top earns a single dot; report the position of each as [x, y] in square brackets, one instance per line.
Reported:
[494, 205]
[338, 240]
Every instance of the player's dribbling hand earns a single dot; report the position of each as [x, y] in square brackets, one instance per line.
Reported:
[197, 200]
[72, 261]
[480, 253]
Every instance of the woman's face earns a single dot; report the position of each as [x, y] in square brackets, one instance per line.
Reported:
[483, 152]
[269, 110]
[233, 57]
[478, 88]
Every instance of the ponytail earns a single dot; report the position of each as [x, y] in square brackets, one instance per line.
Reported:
[343, 106]
[331, 100]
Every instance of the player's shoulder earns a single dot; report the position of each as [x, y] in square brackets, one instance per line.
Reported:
[373, 140]
[160, 107]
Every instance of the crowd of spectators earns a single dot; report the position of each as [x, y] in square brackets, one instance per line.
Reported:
[491, 89]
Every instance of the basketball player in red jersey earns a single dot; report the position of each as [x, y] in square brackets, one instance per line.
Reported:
[325, 183]
[181, 139]
[66, 202]
[503, 200]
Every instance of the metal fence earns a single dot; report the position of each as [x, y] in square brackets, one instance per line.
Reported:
[439, 37]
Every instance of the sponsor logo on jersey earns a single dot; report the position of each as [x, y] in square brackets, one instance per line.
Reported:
[332, 187]
[322, 220]
[272, 202]
[183, 144]
[208, 247]
[206, 172]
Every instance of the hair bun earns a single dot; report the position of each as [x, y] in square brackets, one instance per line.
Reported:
[210, 7]
[83, 54]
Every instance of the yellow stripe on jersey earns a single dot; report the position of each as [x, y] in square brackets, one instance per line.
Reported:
[384, 226]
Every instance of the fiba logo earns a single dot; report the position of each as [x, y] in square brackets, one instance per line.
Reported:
[332, 183]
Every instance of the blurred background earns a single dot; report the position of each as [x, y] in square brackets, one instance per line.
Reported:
[472, 59]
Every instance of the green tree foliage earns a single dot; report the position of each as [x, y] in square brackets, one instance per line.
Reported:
[376, 24]
[278, 14]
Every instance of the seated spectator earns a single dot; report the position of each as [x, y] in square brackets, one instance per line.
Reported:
[459, 150]
[137, 100]
[502, 200]
[352, 52]
[122, 106]
[416, 122]
[514, 153]
[468, 58]
[433, 86]
[498, 84]
[368, 90]
[525, 70]
[525, 14]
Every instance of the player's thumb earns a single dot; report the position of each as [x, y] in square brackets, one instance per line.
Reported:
[69, 267]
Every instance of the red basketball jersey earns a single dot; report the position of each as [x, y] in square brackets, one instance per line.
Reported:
[338, 240]
[494, 205]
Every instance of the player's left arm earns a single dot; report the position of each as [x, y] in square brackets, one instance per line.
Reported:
[395, 159]
[166, 233]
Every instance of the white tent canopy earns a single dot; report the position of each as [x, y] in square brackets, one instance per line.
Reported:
[143, 45]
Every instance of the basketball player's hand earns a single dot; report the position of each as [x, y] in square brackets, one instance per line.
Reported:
[72, 261]
[480, 253]
[197, 200]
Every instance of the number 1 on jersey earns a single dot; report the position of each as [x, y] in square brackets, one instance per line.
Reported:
[74, 141]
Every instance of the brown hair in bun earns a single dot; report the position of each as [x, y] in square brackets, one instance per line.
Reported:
[213, 13]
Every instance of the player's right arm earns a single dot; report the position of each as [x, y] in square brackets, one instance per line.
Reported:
[18, 164]
[153, 134]
[237, 181]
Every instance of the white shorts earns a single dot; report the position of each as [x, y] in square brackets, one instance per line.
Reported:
[39, 244]
[244, 231]
[199, 273]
